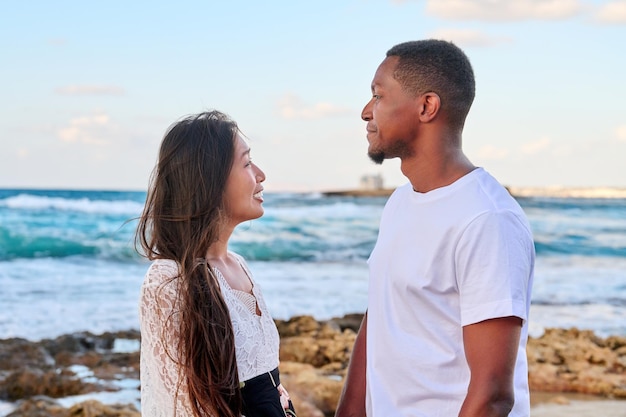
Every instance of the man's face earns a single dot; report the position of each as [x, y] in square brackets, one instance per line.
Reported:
[391, 116]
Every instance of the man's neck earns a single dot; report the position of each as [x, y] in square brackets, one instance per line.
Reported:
[429, 172]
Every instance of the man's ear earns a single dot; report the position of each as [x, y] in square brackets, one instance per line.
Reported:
[429, 106]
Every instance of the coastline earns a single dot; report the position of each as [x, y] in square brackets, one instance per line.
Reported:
[572, 372]
[518, 192]
[378, 192]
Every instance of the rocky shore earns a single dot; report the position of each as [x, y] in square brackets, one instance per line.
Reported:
[36, 376]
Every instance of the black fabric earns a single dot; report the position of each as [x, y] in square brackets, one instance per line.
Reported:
[261, 398]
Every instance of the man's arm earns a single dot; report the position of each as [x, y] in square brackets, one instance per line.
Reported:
[491, 351]
[352, 400]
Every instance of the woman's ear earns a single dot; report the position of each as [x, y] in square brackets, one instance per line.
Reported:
[429, 105]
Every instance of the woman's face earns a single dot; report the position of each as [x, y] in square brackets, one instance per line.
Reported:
[243, 196]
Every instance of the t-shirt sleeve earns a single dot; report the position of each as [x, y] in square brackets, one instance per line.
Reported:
[494, 264]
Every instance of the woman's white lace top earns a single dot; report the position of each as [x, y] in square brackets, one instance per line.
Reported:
[247, 299]
[163, 390]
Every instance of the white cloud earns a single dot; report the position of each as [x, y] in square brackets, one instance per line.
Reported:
[468, 37]
[504, 10]
[620, 132]
[536, 146]
[612, 12]
[292, 107]
[90, 90]
[94, 130]
[490, 152]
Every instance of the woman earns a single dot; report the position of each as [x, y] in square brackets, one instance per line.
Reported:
[209, 346]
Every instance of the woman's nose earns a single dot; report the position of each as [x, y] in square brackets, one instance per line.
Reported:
[260, 175]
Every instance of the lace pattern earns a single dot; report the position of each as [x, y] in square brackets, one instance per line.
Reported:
[163, 392]
[247, 299]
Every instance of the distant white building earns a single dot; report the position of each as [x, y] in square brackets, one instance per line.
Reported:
[371, 182]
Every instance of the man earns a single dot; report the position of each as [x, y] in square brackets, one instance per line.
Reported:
[451, 273]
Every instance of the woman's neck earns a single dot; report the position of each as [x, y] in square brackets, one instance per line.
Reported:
[218, 251]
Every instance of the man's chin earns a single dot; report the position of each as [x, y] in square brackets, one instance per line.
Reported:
[377, 157]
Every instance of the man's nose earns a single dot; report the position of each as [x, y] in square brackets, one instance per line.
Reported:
[366, 114]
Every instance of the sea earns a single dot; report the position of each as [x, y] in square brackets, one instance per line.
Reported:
[68, 261]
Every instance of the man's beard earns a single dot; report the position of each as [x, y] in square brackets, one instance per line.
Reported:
[377, 157]
[399, 149]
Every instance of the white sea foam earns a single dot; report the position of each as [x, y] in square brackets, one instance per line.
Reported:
[322, 290]
[45, 298]
[338, 210]
[604, 320]
[48, 297]
[34, 202]
[124, 391]
[125, 346]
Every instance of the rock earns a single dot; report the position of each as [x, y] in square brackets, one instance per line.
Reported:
[29, 383]
[77, 343]
[314, 359]
[571, 360]
[298, 326]
[349, 321]
[319, 344]
[44, 368]
[39, 406]
[92, 408]
[46, 407]
[312, 386]
[20, 353]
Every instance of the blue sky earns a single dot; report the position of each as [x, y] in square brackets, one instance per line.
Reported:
[87, 89]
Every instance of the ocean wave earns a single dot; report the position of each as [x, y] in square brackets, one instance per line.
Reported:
[578, 247]
[299, 251]
[32, 246]
[324, 212]
[119, 246]
[608, 301]
[84, 205]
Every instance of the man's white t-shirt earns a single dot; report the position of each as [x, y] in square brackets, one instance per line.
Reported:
[445, 259]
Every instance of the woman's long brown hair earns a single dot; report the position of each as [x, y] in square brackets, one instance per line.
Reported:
[181, 219]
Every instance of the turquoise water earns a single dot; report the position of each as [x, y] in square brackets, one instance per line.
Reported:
[67, 261]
